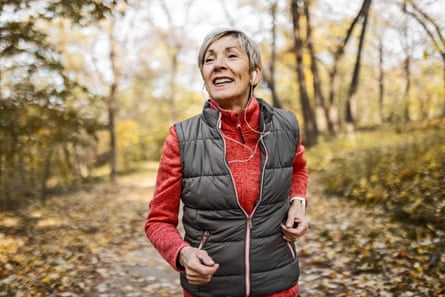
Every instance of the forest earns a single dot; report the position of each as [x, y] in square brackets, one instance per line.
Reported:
[89, 89]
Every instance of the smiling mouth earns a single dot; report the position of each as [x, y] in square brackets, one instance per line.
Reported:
[221, 81]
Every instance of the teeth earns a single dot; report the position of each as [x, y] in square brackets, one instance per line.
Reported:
[222, 80]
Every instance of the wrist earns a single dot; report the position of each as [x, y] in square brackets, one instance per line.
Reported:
[181, 260]
[300, 200]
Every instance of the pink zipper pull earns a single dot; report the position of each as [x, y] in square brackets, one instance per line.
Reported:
[204, 239]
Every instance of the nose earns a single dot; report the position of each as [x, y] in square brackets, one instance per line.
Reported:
[220, 63]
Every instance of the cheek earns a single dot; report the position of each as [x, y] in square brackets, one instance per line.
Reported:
[205, 73]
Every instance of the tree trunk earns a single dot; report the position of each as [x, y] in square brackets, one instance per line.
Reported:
[318, 92]
[271, 81]
[435, 33]
[349, 118]
[442, 54]
[381, 82]
[339, 52]
[45, 176]
[2, 188]
[406, 92]
[310, 124]
[112, 106]
[405, 116]
[173, 95]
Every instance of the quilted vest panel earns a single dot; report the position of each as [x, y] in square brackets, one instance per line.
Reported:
[210, 204]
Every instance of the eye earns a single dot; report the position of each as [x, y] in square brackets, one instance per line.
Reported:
[209, 60]
[231, 56]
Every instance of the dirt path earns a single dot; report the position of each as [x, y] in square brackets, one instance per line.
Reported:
[134, 267]
[92, 243]
[336, 255]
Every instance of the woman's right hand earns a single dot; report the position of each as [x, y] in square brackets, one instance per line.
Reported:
[199, 266]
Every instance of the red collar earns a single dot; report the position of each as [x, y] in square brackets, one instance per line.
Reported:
[231, 119]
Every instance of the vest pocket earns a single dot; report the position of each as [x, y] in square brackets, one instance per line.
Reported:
[291, 248]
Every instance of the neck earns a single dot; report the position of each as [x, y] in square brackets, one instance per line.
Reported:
[238, 105]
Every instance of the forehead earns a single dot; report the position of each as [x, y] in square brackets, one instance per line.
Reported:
[224, 43]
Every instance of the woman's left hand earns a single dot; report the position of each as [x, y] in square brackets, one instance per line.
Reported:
[296, 223]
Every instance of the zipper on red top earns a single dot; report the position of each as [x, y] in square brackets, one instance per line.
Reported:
[238, 126]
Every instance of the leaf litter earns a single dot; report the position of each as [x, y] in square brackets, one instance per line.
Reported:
[91, 243]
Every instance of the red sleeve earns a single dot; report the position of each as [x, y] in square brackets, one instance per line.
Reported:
[300, 174]
[162, 220]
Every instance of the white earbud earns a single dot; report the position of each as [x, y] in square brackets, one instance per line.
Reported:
[253, 76]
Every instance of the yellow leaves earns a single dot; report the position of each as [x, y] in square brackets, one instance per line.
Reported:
[9, 244]
[50, 278]
[82, 244]
[353, 250]
[128, 132]
[9, 222]
[50, 222]
[92, 243]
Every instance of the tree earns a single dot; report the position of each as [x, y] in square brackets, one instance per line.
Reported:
[407, 61]
[432, 29]
[269, 77]
[338, 55]
[316, 79]
[381, 78]
[172, 39]
[112, 102]
[36, 94]
[364, 12]
[310, 123]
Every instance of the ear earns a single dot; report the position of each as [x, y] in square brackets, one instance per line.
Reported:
[256, 76]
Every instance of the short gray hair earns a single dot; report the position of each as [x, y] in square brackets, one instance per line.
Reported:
[246, 43]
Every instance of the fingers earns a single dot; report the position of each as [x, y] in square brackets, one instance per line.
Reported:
[201, 276]
[295, 231]
[199, 267]
[296, 224]
[205, 258]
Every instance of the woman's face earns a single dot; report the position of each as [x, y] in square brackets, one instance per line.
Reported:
[226, 73]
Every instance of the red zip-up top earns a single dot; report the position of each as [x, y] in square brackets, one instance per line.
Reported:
[241, 133]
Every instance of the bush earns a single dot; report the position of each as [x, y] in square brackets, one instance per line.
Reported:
[404, 173]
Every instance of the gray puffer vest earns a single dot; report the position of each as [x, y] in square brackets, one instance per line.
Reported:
[254, 258]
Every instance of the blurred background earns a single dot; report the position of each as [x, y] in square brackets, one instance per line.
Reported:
[90, 88]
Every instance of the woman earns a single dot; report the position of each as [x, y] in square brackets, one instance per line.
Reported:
[238, 168]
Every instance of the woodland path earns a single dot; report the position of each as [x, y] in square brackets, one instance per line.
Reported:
[91, 243]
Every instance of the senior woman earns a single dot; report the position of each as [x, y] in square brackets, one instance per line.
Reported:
[239, 170]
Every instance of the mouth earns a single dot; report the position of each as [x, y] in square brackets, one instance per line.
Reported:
[219, 81]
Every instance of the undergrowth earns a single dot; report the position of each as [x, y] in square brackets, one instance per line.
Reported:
[399, 169]
[396, 173]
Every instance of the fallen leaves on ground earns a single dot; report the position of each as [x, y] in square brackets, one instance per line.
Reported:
[351, 250]
[91, 243]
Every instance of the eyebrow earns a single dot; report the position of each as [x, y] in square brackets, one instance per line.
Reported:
[226, 49]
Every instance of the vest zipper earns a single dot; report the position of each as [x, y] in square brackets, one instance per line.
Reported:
[249, 224]
[247, 255]
[248, 218]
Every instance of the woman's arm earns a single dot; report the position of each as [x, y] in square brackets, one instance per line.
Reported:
[296, 224]
[299, 175]
[162, 220]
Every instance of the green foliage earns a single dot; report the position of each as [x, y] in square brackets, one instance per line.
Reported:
[402, 172]
[42, 133]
